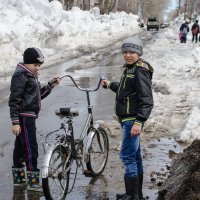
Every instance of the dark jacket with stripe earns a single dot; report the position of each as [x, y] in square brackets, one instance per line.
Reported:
[133, 93]
[26, 94]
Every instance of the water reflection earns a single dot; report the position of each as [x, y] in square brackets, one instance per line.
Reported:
[34, 195]
[97, 189]
[20, 193]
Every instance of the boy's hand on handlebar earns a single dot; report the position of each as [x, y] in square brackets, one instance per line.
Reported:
[55, 81]
[105, 83]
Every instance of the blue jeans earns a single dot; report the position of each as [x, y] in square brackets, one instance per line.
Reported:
[130, 153]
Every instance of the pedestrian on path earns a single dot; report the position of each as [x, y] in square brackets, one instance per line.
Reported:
[195, 31]
[133, 105]
[184, 30]
[25, 103]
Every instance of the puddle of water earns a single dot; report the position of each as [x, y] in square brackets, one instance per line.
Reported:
[156, 165]
[157, 161]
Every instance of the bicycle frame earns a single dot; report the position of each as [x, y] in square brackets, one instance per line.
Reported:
[87, 132]
[90, 128]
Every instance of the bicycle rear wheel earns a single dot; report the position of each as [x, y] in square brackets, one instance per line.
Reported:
[98, 152]
[55, 186]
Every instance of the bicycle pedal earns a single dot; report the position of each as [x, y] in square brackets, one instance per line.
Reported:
[88, 173]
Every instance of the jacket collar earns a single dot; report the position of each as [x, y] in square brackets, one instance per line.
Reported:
[131, 65]
[22, 68]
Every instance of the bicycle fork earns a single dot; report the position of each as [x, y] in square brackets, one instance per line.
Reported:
[93, 130]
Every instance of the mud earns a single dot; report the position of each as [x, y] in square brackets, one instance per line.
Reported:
[184, 178]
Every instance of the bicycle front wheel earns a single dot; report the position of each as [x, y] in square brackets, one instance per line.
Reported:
[98, 152]
[55, 186]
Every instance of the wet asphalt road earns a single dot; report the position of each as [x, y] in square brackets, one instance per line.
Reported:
[109, 65]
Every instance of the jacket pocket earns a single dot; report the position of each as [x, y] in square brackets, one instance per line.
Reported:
[121, 107]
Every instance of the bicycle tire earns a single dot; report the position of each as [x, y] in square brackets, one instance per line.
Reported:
[98, 157]
[55, 186]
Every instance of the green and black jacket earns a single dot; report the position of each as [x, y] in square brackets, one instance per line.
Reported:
[134, 99]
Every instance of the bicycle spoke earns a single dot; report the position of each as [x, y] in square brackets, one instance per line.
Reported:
[98, 153]
[57, 182]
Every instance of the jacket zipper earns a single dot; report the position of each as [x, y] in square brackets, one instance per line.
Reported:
[38, 91]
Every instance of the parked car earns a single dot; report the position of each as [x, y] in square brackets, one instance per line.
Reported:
[152, 23]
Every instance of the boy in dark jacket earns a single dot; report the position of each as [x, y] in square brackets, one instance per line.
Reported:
[24, 102]
[133, 105]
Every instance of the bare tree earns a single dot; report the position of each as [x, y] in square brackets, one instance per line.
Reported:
[106, 6]
[67, 4]
[143, 8]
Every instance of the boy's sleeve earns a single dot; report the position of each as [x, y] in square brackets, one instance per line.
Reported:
[114, 86]
[144, 94]
[17, 89]
[45, 91]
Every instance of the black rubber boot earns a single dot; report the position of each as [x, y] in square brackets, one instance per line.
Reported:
[120, 196]
[19, 178]
[132, 185]
[137, 191]
[33, 181]
[140, 194]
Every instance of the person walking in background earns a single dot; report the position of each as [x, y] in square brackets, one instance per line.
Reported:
[195, 31]
[25, 102]
[184, 29]
[133, 105]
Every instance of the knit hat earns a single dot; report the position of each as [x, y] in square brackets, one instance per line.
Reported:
[33, 56]
[133, 44]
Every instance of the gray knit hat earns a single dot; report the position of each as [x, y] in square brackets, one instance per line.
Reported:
[133, 44]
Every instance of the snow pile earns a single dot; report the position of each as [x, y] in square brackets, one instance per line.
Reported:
[175, 84]
[47, 26]
[192, 127]
[196, 54]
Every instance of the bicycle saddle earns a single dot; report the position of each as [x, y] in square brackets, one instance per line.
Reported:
[67, 112]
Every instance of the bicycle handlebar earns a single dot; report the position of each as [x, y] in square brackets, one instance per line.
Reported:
[83, 89]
